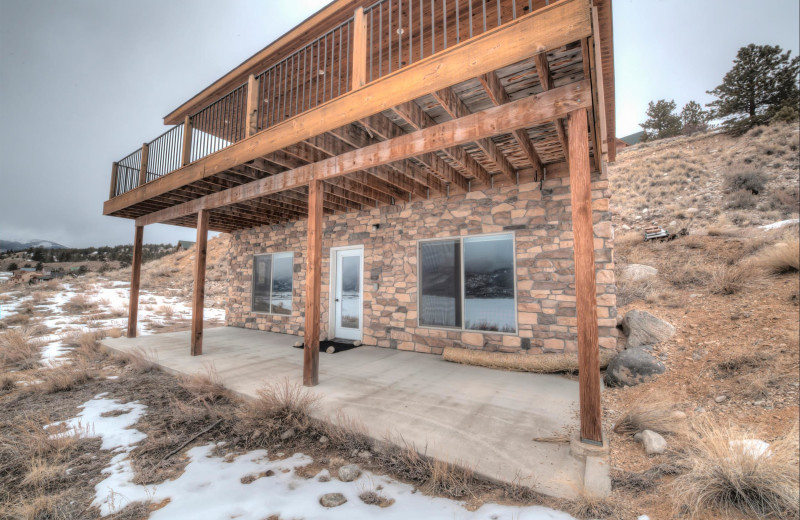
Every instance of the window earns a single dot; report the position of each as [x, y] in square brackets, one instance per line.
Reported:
[272, 283]
[468, 283]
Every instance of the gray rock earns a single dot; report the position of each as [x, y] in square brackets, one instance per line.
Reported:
[638, 272]
[721, 398]
[332, 499]
[633, 366]
[642, 328]
[654, 443]
[323, 440]
[287, 434]
[349, 473]
[364, 454]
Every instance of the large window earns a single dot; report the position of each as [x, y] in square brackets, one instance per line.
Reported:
[272, 283]
[468, 283]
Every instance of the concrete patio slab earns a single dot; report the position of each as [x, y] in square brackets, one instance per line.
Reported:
[477, 417]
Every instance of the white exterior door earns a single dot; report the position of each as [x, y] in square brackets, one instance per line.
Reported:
[348, 296]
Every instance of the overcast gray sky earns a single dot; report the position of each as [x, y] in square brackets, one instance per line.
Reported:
[85, 82]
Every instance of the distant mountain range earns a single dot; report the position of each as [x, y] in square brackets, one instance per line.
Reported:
[633, 138]
[10, 245]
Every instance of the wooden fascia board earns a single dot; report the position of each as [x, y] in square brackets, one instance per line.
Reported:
[551, 27]
[259, 61]
[523, 113]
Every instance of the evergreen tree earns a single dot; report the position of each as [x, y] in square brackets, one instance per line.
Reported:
[694, 118]
[662, 121]
[39, 266]
[13, 266]
[763, 81]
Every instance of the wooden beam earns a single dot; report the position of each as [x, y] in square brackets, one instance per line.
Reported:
[546, 80]
[112, 190]
[588, 74]
[136, 277]
[601, 94]
[585, 286]
[313, 285]
[143, 165]
[561, 23]
[359, 49]
[457, 109]
[497, 93]
[186, 150]
[198, 296]
[523, 113]
[251, 118]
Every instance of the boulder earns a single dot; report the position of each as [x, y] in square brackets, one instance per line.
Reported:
[642, 328]
[349, 473]
[638, 272]
[654, 443]
[332, 499]
[632, 366]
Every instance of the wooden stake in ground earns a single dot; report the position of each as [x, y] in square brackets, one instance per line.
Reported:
[585, 287]
[198, 299]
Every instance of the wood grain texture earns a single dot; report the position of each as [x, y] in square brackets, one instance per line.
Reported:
[186, 150]
[525, 112]
[559, 24]
[585, 287]
[136, 277]
[143, 165]
[251, 111]
[359, 77]
[313, 285]
[112, 190]
[199, 292]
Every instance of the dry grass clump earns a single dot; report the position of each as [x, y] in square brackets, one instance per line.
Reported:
[781, 258]
[732, 279]
[15, 320]
[347, 433]
[64, 378]
[542, 363]
[206, 388]
[138, 360]
[7, 382]
[280, 407]
[658, 415]
[19, 349]
[114, 332]
[166, 311]
[589, 506]
[79, 304]
[86, 344]
[729, 475]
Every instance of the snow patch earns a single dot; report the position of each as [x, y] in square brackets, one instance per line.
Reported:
[780, 224]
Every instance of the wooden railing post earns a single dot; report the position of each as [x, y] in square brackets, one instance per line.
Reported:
[585, 288]
[313, 284]
[136, 276]
[143, 167]
[198, 298]
[112, 191]
[359, 49]
[251, 119]
[186, 151]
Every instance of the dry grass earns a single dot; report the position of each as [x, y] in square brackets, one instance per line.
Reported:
[727, 476]
[658, 415]
[86, 345]
[114, 332]
[732, 279]
[206, 388]
[79, 304]
[138, 360]
[589, 507]
[64, 378]
[279, 407]
[19, 349]
[7, 382]
[347, 433]
[781, 258]
[165, 311]
[542, 363]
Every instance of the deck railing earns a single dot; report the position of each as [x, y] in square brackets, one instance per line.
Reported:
[397, 34]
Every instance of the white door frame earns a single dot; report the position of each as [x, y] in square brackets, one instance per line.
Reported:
[332, 268]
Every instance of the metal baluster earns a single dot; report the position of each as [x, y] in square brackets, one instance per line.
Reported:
[316, 75]
[458, 24]
[339, 88]
[421, 31]
[399, 34]
[470, 18]
[349, 64]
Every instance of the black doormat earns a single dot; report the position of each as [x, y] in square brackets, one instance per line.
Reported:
[338, 346]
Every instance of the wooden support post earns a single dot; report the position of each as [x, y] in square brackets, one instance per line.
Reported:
[143, 165]
[313, 283]
[136, 276]
[359, 49]
[112, 191]
[585, 287]
[198, 298]
[186, 151]
[251, 119]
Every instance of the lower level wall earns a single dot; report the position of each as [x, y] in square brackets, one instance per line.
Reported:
[538, 215]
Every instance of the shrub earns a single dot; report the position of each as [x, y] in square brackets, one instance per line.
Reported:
[748, 180]
[19, 350]
[728, 474]
[205, 388]
[64, 378]
[79, 304]
[731, 279]
[741, 199]
[278, 408]
[658, 415]
[781, 258]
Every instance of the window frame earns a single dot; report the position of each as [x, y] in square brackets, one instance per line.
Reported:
[460, 239]
[271, 271]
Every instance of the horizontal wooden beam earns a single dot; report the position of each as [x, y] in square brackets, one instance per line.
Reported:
[559, 24]
[529, 111]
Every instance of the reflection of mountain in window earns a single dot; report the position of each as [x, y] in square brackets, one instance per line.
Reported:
[272, 283]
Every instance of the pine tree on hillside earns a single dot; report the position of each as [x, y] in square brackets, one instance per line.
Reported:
[762, 83]
[662, 121]
[693, 118]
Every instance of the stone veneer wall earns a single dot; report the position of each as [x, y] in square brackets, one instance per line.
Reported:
[540, 219]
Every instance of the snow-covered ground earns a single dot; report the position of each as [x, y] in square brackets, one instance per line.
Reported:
[211, 486]
[111, 297]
